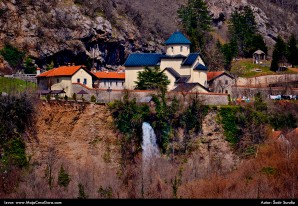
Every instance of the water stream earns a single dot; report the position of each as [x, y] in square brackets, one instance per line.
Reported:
[149, 146]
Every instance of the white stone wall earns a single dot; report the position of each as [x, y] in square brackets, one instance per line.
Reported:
[112, 83]
[178, 49]
[222, 84]
[175, 64]
[82, 74]
[266, 80]
[60, 83]
[131, 75]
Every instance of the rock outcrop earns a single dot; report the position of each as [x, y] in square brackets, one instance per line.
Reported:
[105, 32]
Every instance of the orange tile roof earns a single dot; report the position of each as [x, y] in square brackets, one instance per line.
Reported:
[293, 133]
[61, 71]
[212, 75]
[110, 75]
[275, 134]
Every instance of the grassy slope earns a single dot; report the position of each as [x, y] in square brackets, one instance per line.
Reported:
[10, 85]
[245, 68]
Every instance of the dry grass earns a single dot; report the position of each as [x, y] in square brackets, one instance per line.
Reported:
[272, 174]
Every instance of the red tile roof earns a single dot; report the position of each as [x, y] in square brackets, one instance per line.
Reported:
[61, 71]
[275, 135]
[212, 75]
[110, 75]
[293, 133]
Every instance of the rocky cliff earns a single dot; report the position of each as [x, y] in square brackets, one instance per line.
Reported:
[105, 32]
[82, 139]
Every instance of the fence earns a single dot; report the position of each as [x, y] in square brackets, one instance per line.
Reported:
[25, 77]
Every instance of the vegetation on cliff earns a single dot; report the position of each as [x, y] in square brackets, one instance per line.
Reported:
[16, 116]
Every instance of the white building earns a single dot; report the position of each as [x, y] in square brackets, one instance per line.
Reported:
[181, 67]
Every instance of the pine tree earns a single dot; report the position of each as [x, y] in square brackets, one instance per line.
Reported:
[243, 31]
[152, 79]
[279, 54]
[292, 53]
[82, 194]
[63, 177]
[196, 22]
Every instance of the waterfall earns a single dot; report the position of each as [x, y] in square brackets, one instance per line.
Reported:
[149, 155]
[149, 146]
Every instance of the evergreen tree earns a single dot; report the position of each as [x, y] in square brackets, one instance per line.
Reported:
[196, 22]
[292, 54]
[279, 53]
[152, 79]
[29, 66]
[82, 194]
[63, 177]
[229, 51]
[243, 31]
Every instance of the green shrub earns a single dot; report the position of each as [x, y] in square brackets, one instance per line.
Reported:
[82, 194]
[106, 193]
[56, 96]
[93, 98]
[65, 97]
[269, 170]
[29, 66]
[15, 153]
[48, 97]
[229, 122]
[74, 96]
[63, 177]
[12, 55]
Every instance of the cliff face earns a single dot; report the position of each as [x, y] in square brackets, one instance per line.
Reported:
[107, 31]
[83, 140]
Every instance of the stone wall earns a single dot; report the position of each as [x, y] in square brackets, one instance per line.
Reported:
[264, 81]
[104, 96]
[240, 91]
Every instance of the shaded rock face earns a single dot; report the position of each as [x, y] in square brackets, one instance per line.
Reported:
[105, 32]
[271, 19]
[60, 31]
[4, 67]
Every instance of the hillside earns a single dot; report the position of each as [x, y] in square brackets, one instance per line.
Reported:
[82, 139]
[68, 31]
[11, 85]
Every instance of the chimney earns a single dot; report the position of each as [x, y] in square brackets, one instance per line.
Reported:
[73, 64]
[37, 71]
[68, 64]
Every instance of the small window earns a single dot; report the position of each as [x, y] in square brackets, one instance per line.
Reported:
[226, 82]
[122, 83]
[78, 80]
[57, 80]
[172, 49]
[226, 91]
[105, 83]
[85, 81]
[116, 83]
[181, 48]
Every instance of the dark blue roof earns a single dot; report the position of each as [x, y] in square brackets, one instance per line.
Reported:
[200, 66]
[173, 72]
[191, 58]
[178, 56]
[187, 87]
[177, 38]
[142, 59]
[183, 79]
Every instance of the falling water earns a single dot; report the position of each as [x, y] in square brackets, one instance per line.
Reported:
[149, 155]
[149, 146]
